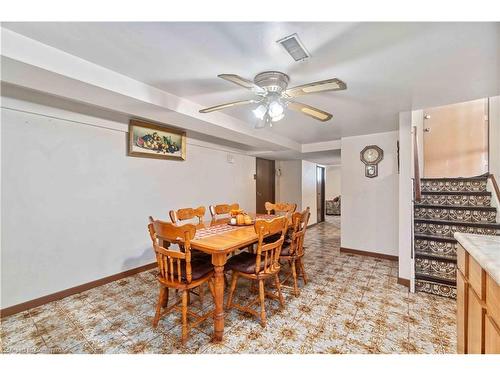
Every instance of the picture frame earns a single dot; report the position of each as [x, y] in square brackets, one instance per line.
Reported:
[150, 140]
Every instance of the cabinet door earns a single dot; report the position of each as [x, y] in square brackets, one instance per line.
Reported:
[462, 293]
[475, 324]
[491, 337]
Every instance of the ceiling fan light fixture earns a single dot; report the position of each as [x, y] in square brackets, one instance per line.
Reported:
[275, 109]
[260, 124]
[274, 96]
[260, 111]
[268, 120]
[277, 118]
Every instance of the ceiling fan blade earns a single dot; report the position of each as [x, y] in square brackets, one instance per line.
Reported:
[313, 112]
[243, 82]
[227, 105]
[333, 84]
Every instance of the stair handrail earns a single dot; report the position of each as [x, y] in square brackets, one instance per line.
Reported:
[416, 167]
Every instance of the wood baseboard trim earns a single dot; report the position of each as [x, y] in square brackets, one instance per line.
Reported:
[368, 253]
[75, 290]
[404, 282]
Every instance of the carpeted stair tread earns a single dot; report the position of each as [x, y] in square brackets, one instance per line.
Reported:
[435, 279]
[434, 238]
[476, 193]
[451, 207]
[461, 223]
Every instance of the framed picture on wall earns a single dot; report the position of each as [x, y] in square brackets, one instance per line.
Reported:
[149, 140]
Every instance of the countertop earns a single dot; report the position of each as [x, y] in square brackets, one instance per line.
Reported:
[485, 250]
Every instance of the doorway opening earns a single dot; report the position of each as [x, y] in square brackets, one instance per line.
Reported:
[265, 183]
[320, 193]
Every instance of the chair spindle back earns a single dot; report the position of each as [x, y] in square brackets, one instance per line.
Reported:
[269, 253]
[222, 209]
[299, 224]
[280, 208]
[172, 264]
[183, 214]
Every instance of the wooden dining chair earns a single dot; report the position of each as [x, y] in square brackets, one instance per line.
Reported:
[191, 215]
[178, 271]
[261, 266]
[221, 211]
[184, 214]
[280, 208]
[292, 250]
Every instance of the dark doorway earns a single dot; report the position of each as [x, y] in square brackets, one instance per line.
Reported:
[265, 183]
[320, 193]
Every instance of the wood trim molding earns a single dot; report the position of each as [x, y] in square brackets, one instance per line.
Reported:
[368, 253]
[404, 282]
[11, 310]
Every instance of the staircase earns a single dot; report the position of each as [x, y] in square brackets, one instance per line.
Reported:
[448, 205]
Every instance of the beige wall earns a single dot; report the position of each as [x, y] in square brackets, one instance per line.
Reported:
[333, 181]
[297, 184]
[309, 198]
[75, 207]
[289, 183]
[494, 136]
[369, 210]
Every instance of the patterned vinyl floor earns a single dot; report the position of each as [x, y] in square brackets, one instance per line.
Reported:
[352, 304]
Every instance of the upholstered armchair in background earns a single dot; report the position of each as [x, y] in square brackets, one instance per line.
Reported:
[333, 206]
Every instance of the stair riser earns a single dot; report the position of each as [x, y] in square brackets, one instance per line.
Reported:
[436, 248]
[435, 268]
[446, 230]
[435, 288]
[473, 216]
[457, 200]
[462, 186]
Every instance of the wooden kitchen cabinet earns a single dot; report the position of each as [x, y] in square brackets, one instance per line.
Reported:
[462, 293]
[475, 324]
[478, 307]
[491, 337]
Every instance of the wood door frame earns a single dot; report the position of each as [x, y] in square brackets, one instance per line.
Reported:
[320, 218]
[273, 185]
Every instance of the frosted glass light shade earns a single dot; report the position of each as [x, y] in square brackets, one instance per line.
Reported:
[260, 111]
[275, 109]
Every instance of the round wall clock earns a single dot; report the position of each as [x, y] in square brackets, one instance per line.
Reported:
[371, 156]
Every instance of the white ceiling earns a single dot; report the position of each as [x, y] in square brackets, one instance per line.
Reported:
[388, 67]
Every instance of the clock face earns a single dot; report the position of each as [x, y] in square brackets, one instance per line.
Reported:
[370, 155]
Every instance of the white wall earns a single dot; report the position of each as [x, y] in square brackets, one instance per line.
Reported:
[406, 192]
[309, 198]
[297, 184]
[333, 178]
[289, 187]
[369, 207]
[75, 207]
[494, 136]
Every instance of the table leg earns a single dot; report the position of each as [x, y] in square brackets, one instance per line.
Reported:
[219, 260]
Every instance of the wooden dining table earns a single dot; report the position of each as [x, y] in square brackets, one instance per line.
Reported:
[220, 239]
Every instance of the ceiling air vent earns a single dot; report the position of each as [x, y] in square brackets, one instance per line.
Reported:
[294, 47]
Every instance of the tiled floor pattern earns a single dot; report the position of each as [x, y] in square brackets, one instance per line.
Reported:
[352, 304]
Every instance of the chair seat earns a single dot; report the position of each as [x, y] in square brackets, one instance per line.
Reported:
[272, 238]
[285, 249]
[195, 254]
[199, 268]
[244, 262]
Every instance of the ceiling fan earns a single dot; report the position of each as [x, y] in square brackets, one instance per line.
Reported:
[273, 96]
